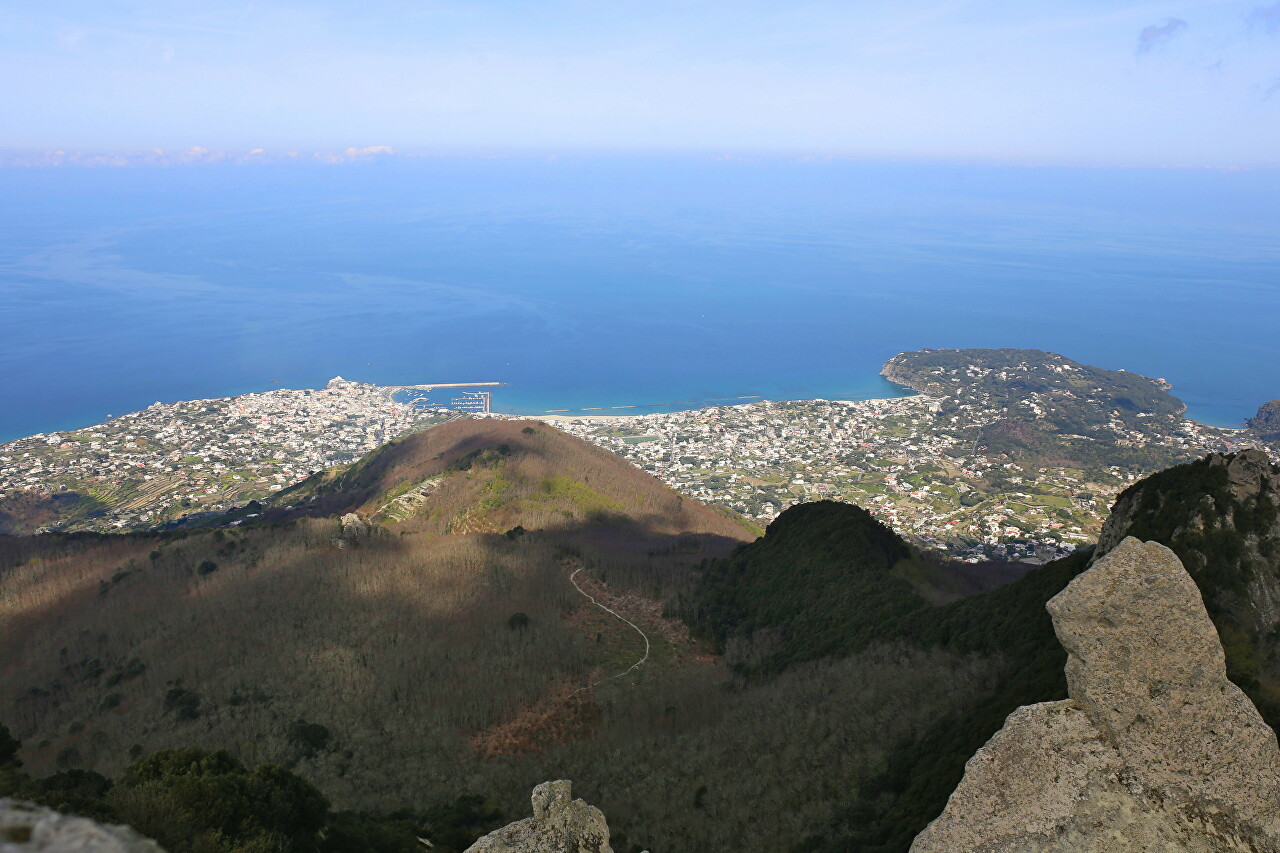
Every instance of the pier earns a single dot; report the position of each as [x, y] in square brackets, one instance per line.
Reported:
[467, 401]
[739, 400]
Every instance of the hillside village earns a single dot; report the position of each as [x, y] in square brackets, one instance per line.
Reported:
[912, 461]
[174, 459]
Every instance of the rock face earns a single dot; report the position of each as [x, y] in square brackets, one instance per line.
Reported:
[1221, 516]
[1267, 422]
[25, 828]
[352, 529]
[560, 824]
[1155, 750]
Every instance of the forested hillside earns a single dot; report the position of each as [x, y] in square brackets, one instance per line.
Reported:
[1043, 408]
[416, 628]
[823, 581]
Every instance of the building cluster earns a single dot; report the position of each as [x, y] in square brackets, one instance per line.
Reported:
[912, 461]
[927, 465]
[177, 459]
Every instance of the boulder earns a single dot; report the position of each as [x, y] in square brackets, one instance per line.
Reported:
[25, 828]
[352, 528]
[560, 824]
[1155, 750]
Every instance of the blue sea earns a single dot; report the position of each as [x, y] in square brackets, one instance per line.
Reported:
[621, 281]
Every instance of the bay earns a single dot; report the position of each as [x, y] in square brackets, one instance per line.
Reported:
[602, 281]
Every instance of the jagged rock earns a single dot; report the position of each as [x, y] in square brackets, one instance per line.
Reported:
[1155, 750]
[352, 529]
[26, 828]
[1249, 476]
[559, 824]
[1266, 423]
[1220, 516]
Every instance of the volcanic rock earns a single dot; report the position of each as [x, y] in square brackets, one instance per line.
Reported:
[1155, 750]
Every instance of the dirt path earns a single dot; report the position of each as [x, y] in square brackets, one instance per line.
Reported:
[618, 616]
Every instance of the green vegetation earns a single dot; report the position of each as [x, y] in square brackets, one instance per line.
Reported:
[828, 580]
[583, 497]
[1055, 411]
[820, 577]
[1010, 625]
[1006, 377]
[201, 801]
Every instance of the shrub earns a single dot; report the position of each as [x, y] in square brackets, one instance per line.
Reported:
[307, 739]
[193, 801]
[184, 704]
[9, 746]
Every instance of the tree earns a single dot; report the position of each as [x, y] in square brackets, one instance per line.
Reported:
[9, 746]
[197, 800]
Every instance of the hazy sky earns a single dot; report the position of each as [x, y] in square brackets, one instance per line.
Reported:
[1070, 81]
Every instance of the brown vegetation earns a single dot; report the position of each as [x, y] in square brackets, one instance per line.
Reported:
[520, 473]
[416, 662]
[27, 511]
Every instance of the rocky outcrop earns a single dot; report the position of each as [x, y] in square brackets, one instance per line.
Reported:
[1267, 422]
[1155, 750]
[560, 824]
[25, 828]
[352, 528]
[1221, 515]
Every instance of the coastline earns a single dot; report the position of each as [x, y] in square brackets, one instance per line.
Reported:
[569, 416]
[1198, 413]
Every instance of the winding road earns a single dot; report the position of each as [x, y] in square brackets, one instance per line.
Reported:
[615, 615]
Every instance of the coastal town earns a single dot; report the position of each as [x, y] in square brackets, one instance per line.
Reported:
[926, 465]
[938, 466]
[176, 459]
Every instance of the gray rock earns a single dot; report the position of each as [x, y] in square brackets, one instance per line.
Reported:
[26, 828]
[352, 528]
[1244, 509]
[1155, 750]
[560, 824]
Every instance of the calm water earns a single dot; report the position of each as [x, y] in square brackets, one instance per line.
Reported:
[605, 282]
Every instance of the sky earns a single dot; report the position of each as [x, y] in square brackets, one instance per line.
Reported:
[1070, 82]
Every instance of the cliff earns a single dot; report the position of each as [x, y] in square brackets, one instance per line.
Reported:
[1155, 750]
[1266, 423]
[1221, 516]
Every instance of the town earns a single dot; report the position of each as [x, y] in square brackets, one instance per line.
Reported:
[892, 458]
[938, 466]
[175, 459]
